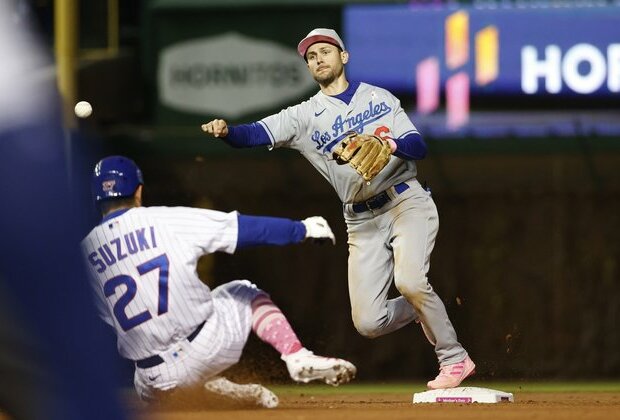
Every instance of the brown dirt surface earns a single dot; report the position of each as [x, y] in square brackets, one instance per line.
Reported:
[395, 406]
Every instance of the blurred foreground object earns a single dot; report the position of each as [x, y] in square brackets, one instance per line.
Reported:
[52, 353]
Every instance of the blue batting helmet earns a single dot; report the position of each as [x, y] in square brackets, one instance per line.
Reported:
[114, 177]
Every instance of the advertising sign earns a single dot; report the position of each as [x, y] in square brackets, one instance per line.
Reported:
[532, 51]
[230, 75]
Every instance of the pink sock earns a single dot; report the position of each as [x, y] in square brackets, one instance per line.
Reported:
[271, 326]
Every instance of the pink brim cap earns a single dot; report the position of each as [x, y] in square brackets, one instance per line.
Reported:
[319, 35]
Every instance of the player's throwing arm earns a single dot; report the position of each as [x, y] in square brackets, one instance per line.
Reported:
[218, 128]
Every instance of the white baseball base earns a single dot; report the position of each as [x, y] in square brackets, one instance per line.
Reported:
[464, 395]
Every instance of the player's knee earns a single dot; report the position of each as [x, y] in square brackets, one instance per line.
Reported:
[367, 326]
[368, 330]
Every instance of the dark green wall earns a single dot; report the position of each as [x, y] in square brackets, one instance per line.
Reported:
[526, 259]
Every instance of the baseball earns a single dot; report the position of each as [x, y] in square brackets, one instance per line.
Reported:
[83, 109]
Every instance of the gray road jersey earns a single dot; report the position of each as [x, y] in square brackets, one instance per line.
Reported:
[314, 127]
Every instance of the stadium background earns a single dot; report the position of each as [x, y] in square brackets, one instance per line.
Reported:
[527, 254]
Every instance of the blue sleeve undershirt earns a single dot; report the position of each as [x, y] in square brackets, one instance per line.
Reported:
[247, 135]
[410, 147]
[262, 230]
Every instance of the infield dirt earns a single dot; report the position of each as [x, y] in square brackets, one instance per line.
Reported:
[395, 406]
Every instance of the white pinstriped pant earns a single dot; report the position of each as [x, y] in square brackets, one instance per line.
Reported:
[217, 347]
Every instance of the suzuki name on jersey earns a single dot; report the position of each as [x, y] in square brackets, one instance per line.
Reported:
[120, 248]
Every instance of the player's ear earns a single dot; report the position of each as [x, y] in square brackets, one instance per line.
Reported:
[137, 196]
[344, 56]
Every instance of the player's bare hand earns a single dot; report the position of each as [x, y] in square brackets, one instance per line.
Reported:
[219, 128]
[318, 230]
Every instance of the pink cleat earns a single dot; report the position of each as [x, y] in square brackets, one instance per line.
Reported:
[451, 376]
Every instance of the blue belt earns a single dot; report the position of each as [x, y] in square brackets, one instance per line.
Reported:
[378, 200]
[157, 360]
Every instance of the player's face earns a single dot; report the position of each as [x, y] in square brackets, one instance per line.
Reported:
[325, 62]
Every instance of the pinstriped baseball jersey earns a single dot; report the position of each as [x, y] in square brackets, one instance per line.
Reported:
[143, 263]
[315, 126]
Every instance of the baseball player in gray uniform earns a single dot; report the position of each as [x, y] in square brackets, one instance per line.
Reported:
[391, 220]
[177, 330]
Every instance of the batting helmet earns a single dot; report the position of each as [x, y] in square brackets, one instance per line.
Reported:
[114, 177]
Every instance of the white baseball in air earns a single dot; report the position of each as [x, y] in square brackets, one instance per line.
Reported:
[83, 109]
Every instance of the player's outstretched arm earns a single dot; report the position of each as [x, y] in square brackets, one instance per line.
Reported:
[240, 136]
[217, 127]
[263, 230]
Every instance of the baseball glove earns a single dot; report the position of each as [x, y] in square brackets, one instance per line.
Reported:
[366, 154]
